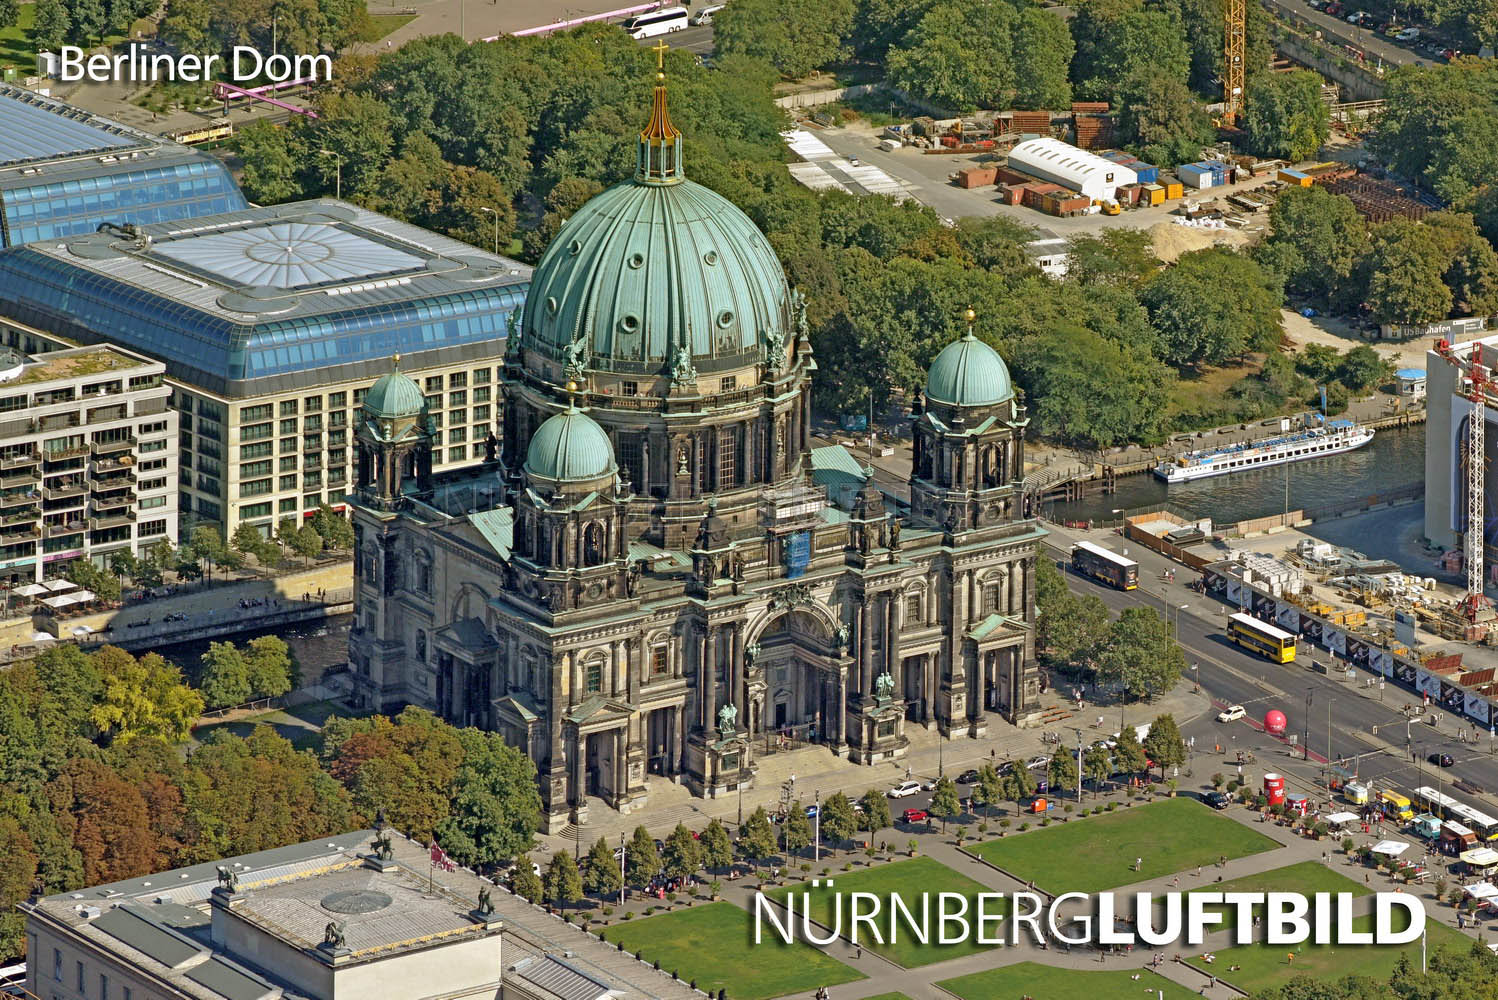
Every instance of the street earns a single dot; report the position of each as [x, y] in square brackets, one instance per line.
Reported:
[1337, 31]
[1233, 676]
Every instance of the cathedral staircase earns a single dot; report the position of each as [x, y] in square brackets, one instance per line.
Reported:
[1053, 714]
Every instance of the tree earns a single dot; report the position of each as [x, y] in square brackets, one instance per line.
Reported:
[1062, 771]
[457, 208]
[1212, 306]
[1117, 38]
[794, 36]
[10, 12]
[333, 528]
[224, 679]
[1164, 744]
[1022, 783]
[717, 847]
[1438, 127]
[1362, 369]
[796, 829]
[959, 56]
[49, 25]
[1043, 51]
[286, 532]
[495, 806]
[682, 857]
[1097, 766]
[124, 564]
[306, 543]
[248, 541]
[990, 790]
[642, 862]
[1128, 755]
[17, 874]
[564, 883]
[1111, 257]
[837, 819]
[1285, 116]
[88, 19]
[209, 546]
[1141, 655]
[945, 802]
[356, 129]
[1090, 391]
[601, 871]
[1161, 120]
[144, 698]
[1406, 269]
[274, 156]
[525, 881]
[1070, 627]
[757, 837]
[272, 670]
[875, 815]
[1324, 238]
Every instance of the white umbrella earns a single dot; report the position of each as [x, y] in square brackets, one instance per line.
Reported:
[32, 590]
[1391, 848]
[58, 586]
[42, 637]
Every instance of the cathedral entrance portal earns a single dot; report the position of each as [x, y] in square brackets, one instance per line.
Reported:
[803, 681]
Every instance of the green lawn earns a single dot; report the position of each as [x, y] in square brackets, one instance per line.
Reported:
[383, 24]
[714, 945]
[1307, 877]
[302, 725]
[1043, 981]
[888, 996]
[1098, 852]
[16, 49]
[1264, 966]
[909, 879]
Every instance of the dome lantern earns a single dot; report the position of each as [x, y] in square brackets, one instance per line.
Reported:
[660, 142]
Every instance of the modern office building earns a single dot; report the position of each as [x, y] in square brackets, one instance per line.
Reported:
[88, 458]
[272, 322]
[348, 917]
[64, 172]
[649, 583]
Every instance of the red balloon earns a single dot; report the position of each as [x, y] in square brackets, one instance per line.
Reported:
[1275, 721]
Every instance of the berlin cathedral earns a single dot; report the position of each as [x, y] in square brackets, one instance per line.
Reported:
[656, 576]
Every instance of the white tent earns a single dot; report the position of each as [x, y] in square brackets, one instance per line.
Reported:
[58, 586]
[58, 600]
[1337, 819]
[32, 590]
[83, 596]
[1391, 848]
[1480, 857]
[1481, 890]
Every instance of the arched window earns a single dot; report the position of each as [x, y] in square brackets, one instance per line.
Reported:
[593, 677]
[593, 544]
[421, 645]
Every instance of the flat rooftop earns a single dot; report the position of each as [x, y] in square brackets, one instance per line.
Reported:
[36, 129]
[100, 360]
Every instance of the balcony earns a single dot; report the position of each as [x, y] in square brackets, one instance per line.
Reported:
[22, 517]
[311, 463]
[62, 454]
[108, 447]
[112, 520]
[20, 498]
[19, 477]
[113, 483]
[19, 461]
[103, 465]
[59, 530]
[19, 532]
[73, 489]
[113, 501]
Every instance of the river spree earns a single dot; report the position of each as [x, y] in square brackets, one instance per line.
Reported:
[1395, 457]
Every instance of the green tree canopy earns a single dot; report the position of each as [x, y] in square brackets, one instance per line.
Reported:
[642, 862]
[1043, 51]
[1406, 269]
[1164, 743]
[564, 883]
[1118, 38]
[960, 56]
[757, 837]
[495, 807]
[1160, 119]
[875, 815]
[144, 698]
[797, 830]
[717, 847]
[794, 36]
[1092, 392]
[1212, 306]
[1285, 116]
[837, 819]
[1062, 770]
[682, 857]
[224, 679]
[945, 802]
[600, 871]
[1326, 238]
[1141, 656]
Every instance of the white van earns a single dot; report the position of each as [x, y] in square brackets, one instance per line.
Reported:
[705, 15]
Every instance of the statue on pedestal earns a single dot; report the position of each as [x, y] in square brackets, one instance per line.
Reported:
[728, 721]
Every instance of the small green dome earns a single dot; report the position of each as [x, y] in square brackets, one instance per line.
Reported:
[570, 447]
[393, 396]
[969, 373]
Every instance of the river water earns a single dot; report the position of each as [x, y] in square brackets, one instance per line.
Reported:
[316, 645]
[1395, 457]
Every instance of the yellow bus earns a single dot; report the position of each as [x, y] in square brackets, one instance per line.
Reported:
[1396, 806]
[1263, 638]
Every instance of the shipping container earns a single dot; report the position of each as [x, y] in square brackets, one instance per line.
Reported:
[1173, 187]
[974, 177]
[1295, 177]
[1006, 176]
[1154, 194]
[1148, 173]
[1195, 175]
[1012, 194]
[1128, 195]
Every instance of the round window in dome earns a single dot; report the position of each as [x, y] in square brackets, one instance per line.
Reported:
[710, 258]
[629, 323]
[551, 305]
[636, 260]
[725, 319]
[574, 248]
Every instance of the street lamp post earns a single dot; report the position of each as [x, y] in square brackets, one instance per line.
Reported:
[337, 172]
[816, 850]
[495, 213]
[1305, 750]
[623, 866]
[1196, 677]
[1079, 764]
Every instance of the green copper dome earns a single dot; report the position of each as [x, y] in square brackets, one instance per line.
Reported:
[654, 264]
[570, 447]
[393, 396]
[969, 373]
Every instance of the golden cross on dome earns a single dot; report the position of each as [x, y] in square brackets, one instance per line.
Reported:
[660, 49]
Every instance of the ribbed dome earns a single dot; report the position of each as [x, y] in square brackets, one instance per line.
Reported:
[644, 267]
[393, 396]
[570, 447]
[969, 373]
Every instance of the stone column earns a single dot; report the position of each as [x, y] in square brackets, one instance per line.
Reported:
[737, 684]
[865, 645]
[621, 765]
[710, 679]
[677, 744]
[1016, 588]
[894, 621]
[633, 668]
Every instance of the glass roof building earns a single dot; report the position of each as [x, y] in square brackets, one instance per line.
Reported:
[64, 171]
[269, 320]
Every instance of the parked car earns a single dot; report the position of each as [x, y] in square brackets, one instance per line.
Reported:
[1038, 761]
[1440, 759]
[1232, 713]
[1356, 17]
[904, 790]
[915, 816]
[1217, 800]
[1333, 8]
[1408, 34]
[968, 777]
[812, 810]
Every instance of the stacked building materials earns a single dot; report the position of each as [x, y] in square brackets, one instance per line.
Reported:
[1094, 131]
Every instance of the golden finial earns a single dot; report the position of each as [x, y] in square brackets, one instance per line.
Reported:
[660, 49]
[571, 394]
[971, 315]
[396, 359]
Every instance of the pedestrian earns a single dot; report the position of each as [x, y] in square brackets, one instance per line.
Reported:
[1291, 958]
[1138, 864]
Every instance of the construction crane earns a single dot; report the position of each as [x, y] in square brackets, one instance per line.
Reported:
[1473, 384]
[1235, 53]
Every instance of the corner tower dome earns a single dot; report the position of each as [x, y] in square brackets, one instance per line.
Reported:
[653, 267]
[394, 396]
[968, 372]
[570, 447]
